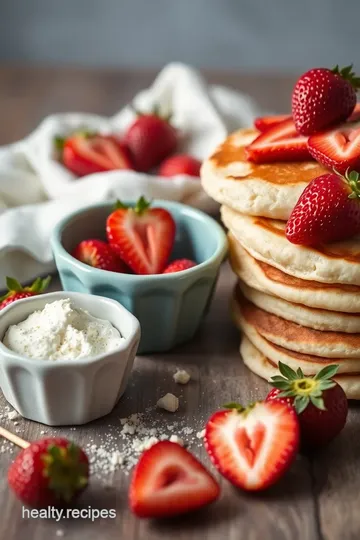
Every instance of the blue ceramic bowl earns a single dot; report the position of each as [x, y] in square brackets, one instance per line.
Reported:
[170, 307]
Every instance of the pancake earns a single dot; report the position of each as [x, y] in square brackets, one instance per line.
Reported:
[261, 366]
[298, 338]
[269, 190]
[318, 319]
[310, 364]
[265, 240]
[270, 280]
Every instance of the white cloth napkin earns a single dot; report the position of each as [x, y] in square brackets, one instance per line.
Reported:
[36, 191]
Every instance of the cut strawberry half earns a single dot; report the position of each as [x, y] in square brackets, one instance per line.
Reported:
[263, 123]
[279, 143]
[253, 447]
[89, 154]
[168, 481]
[141, 236]
[338, 148]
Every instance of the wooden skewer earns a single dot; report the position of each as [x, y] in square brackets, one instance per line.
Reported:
[13, 438]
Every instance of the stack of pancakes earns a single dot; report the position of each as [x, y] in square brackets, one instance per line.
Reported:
[294, 304]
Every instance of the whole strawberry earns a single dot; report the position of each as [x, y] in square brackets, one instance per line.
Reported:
[16, 291]
[49, 472]
[150, 139]
[320, 403]
[323, 97]
[180, 164]
[328, 210]
[99, 254]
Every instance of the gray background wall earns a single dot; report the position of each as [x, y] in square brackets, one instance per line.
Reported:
[285, 35]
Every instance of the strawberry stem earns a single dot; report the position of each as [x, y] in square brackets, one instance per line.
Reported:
[139, 208]
[352, 179]
[13, 286]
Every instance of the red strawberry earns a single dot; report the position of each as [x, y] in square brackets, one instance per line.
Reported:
[323, 97]
[180, 164]
[179, 265]
[150, 139]
[355, 116]
[49, 472]
[99, 254]
[88, 153]
[168, 481]
[143, 237]
[320, 403]
[253, 447]
[263, 123]
[16, 291]
[328, 210]
[337, 149]
[279, 143]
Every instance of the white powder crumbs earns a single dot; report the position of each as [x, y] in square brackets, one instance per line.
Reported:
[13, 415]
[169, 402]
[200, 434]
[121, 448]
[60, 532]
[181, 376]
[176, 439]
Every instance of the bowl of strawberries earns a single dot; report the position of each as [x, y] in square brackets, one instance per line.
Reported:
[160, 260]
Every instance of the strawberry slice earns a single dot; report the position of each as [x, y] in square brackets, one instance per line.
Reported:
[87, 153]
[142, 237]
[168, 481]
[253, 447]
[338, 148]
[279, 143]
[263, 123]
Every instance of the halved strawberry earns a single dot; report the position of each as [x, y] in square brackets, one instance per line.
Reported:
[168, 481]
[254, 446]
[263, 123]
[88, 153]
[143, 237]
[99, 254]
[279, 143]
[338, 148]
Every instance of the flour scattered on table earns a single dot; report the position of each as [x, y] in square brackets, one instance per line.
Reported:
[169, 402]
[13, 415]
[121, 448]
[181, 376]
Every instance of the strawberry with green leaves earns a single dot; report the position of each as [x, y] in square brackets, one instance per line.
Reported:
[320, 402]
[49, 472]
[16, 291]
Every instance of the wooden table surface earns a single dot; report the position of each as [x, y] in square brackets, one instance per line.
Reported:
[319, 497]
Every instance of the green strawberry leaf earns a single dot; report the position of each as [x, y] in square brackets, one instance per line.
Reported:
[300, 403]
[281, 385]
[327, 372]
[318, 402]
[233, 405]
[287, 371]
[13, 285]
[142, 205]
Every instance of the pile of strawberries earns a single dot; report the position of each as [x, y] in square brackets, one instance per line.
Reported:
[147, 146]
[140, 239]
[252, 447]
[324, 126]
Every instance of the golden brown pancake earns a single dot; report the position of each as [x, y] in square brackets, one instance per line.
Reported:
[270, 189]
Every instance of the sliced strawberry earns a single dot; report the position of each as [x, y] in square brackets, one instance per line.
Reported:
[279, 143]
[263, 123]
[85, 154]
[143, 237]
[338, 148]
[168, 481]
[99, 254]
[253, 447]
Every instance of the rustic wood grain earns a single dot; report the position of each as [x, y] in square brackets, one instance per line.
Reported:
[317, 500]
